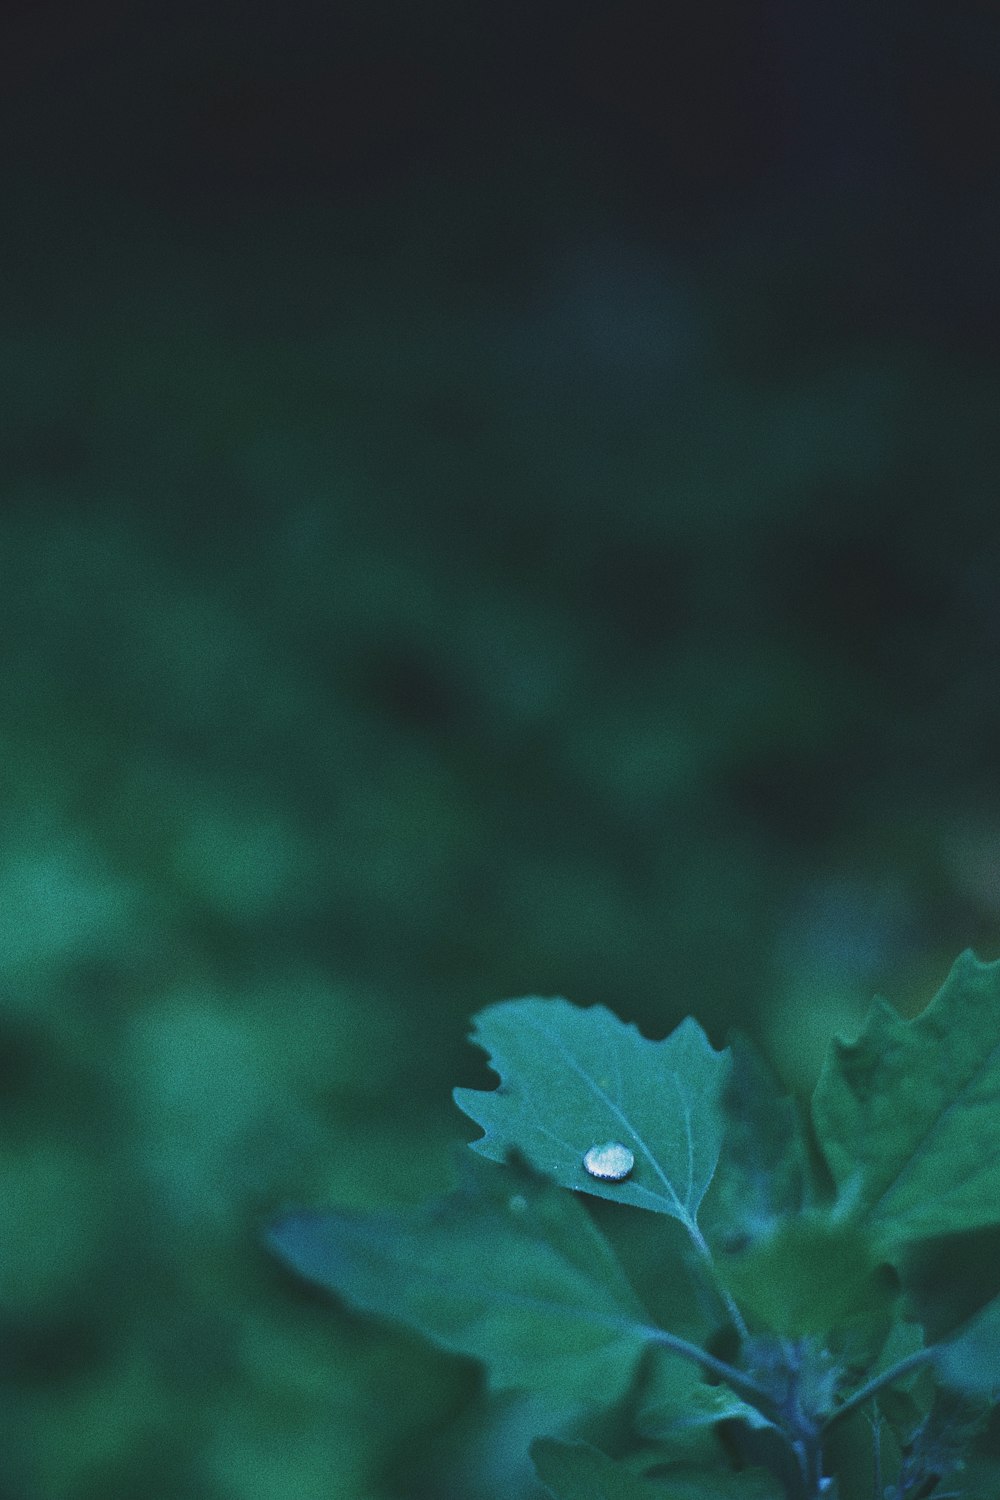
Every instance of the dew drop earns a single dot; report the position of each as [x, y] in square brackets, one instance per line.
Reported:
[611, 1163]
[517, 1203]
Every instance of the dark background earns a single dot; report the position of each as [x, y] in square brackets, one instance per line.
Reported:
[495, 500]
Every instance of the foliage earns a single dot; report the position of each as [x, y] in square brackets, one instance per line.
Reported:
[810, 1334]
[571, 1078]
[379, 638]
[903, 1113]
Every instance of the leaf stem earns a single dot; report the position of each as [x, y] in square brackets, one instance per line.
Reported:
[742, 1384]
[879, 1491]
[865, 1393]
[701, 1245]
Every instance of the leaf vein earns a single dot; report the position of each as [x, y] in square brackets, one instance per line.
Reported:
[935, 1125]
[595, 1088]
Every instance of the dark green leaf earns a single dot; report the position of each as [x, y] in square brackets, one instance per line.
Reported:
[969, 1361]
[572, 1079]
[763, 1170]
[908, 1116]
[508, 1270]
[904, 1404]
[681, 1408]
[574, 1471]
[949, 1277]
[811, 1275]
[979, 1477]
[939, 1449]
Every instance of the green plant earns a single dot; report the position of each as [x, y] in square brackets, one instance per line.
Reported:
[829, 1338]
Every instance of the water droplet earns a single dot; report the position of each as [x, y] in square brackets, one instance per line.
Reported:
[611, 1162]
[517, 1203]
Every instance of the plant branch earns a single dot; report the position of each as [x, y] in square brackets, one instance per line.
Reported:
[701, 1245]
[878, 1490]
[865, 1393]
[737, 1381]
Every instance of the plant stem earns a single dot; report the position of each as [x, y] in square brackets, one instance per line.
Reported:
[801, 1427]
[912, 1362]
[701, 1245]
[742, 1384]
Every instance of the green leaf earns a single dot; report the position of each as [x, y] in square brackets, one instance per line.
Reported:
[980, 1477]
[571, 1079]
[935, 1460]
[812, 1275]
[908, 1116]
[681, 1408]
[969, 1361]
[904, 1404]
[575, 1471]
[507, 1269]
[763, 1170]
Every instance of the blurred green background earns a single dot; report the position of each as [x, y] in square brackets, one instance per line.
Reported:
[491, 502]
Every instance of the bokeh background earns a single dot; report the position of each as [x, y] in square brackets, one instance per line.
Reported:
[493, 500]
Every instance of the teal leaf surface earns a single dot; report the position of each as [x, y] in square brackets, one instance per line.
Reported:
[680, 1407]
[763, 1171]
[512, 1272]
[969, 1361]
[905, 1403]
[813, 1274]
[575, 1471]
[908, 1116]
[574, 1078]
[936, 1460]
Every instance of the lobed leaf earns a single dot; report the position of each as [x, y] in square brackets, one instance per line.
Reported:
[763, 1173]
[574, 1078]
[812, 1275]
[908, 1116]
[510, 1271]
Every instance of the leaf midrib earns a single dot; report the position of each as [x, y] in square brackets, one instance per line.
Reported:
[681, 1210]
